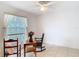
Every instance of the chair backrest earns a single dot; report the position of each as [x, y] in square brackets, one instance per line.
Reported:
[42, 38]
[10, 46]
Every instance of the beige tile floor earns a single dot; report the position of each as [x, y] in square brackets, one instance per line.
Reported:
[55, 51]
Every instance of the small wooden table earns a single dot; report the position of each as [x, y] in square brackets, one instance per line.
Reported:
[29, 43]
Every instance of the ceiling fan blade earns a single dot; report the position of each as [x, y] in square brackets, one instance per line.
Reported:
[44, 3]
[38, 4]
[51, 3]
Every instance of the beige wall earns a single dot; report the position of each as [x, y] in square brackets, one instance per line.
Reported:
[7, 9]
[61, 24]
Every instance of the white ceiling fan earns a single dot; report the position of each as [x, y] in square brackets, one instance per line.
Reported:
[44, 5]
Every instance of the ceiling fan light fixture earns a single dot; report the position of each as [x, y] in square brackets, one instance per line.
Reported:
[43, 5]
[43, 8]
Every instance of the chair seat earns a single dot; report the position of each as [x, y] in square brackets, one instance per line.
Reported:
[30, 49]
[38, 41]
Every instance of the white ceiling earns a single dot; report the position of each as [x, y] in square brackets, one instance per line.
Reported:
[29, 6]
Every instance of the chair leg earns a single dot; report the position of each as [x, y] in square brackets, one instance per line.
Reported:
[35, 53]
[41, 48]
[24, 54]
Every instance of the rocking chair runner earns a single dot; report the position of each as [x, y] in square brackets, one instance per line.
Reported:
[40, 43]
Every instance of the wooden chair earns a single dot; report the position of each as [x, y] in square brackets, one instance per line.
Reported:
[30, 47]
[40, 43]
[11, 46]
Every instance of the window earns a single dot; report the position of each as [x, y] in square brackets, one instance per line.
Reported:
[16, 27]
